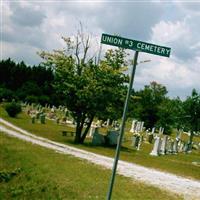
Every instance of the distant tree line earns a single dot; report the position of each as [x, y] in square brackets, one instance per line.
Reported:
[32, 84]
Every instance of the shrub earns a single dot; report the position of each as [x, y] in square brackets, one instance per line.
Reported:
[13, 109]
[6, 94]
[43, 100]
[32, 99]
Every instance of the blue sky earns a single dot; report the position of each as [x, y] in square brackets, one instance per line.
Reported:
[31, 26]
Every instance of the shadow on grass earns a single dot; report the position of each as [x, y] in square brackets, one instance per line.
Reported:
[89, 144]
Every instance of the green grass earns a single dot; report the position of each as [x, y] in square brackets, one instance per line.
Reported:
[180, 164]
[45, 174]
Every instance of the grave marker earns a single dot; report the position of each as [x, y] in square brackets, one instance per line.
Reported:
[156, 147]
[163, 145]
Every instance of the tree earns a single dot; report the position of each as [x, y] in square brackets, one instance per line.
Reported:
[88, 89]
[152, 97]
[19, 81]
[192, 109]
[166, 115]
[13, 108]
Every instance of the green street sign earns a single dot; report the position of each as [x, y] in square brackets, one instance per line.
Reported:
[135, 45]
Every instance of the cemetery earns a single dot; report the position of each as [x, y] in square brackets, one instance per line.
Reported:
[102, 137]
[163, 144]
[137, 135]
[151, 148]
[73, 119]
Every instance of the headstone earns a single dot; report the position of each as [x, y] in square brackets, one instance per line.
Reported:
[42, 118]
[112, 138]
[163, 145]
[137, 128]
[181, 146]
[135, 141]
[179, 133]
[150, 138]
[175, 146]
[186, 147]
[170, 146]
[142, 126]
[156, 147]
[92, 130]
[153, 130]
[107, 122]
[133, 126]
[33, 119]
[37, 115]
[140, 142]
[98, 139]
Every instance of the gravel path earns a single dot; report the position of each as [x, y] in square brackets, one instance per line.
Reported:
[189, 188]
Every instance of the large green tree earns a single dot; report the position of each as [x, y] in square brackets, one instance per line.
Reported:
[149, 104]
[192, 110]
[89, 89]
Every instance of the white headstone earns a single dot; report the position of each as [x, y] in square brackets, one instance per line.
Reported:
[175, 146]
[156, 147]
[163, 145]
[141, 127]
[137, 129]
[107, 122]
[133, 126]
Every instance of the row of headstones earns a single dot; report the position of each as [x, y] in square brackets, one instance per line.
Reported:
[39, 116]
[166, 145]
[36, 112]
[137, 126]
[137, 141]
[110, 139]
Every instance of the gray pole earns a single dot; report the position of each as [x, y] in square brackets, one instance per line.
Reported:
[99, 56]
[122, 127]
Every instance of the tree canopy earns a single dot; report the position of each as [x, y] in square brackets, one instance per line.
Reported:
[89, 89]
[19, 81]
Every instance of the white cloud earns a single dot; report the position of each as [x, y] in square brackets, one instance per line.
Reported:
[20, 52]
[168, 32]
[171, 73]
[181, 70]
[191, 7]
[179, 29]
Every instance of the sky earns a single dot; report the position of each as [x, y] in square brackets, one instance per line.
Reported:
[28, 27]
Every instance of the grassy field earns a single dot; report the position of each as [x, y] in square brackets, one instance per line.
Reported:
[31, 172]
[180, 164]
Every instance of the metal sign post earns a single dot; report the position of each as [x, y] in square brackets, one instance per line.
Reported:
[138, 46]
[122, 127]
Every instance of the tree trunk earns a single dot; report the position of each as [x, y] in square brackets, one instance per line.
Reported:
[80, 122]
[78, 130]
[86, 130]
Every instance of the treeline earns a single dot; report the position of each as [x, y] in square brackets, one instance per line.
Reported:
[156, 109]
[35, 84]
[27, 83]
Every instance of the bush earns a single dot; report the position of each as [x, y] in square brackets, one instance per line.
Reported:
[6, 94]
[32, 99]
[13, 109]
[43, 100]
